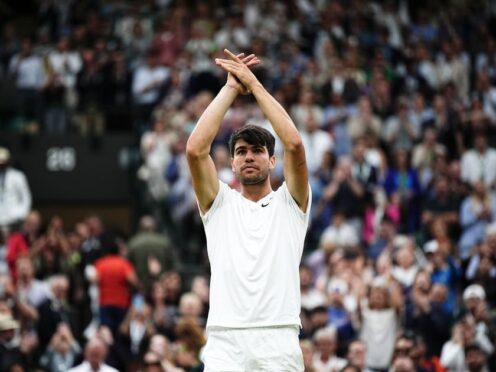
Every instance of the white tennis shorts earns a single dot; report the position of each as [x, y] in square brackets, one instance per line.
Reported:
[273, 349]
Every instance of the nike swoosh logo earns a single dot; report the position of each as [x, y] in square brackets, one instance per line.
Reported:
[264, 205]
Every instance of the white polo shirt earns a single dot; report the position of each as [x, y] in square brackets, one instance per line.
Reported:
[255, 250]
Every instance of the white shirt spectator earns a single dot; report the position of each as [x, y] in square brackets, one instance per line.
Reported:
[343, 235]
[28, 71]
[15, 196]
[66, 65]
[144, 77]
[476, 166]
[86, 367]
[35, 293]
[317, 144]
[334, 363]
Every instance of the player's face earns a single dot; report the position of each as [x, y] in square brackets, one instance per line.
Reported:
[251, 163]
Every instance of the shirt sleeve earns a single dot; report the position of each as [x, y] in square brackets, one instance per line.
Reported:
[219, 199]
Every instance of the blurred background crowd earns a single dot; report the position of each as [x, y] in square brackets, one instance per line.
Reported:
[396, 104]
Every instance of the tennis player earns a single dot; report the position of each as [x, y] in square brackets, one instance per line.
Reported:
[254, 237]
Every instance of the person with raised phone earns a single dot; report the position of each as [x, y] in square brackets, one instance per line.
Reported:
[255, 237]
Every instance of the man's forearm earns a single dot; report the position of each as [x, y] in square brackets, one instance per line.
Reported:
[209, 123]
[279, 118]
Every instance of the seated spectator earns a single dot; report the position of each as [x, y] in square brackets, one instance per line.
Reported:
[163, 315]
[400, 132]
[339, 233]
[191, 308]
[443, 269]
[135, 331]
[31, 292]
[151, 363]
[475, 358]
[311, 297]
[117, 355]
[356, 355]
[481, 267]
[190, 341]
[385, 239]
[95, 353]
[162, 348]
[464, 337]
[405, 269]
[339, 314]
[324, 359]
[307, 350]
[10, 351]
[54, 312]
[61, 352]
[477, 211]
[364, 120]
[402, 364]
[346, 193]
[441, 204]
[424, 155]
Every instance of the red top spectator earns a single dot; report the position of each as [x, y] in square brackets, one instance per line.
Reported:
[114, 274]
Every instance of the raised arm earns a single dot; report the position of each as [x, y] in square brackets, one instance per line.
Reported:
[201, 165]
[295, 166]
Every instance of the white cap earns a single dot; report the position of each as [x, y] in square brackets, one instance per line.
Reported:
[474, 291]
[431, 246]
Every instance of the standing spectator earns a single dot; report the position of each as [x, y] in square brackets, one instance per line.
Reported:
[27, 68]
[95, 353]
[150, 252]
[66, 64]
[168, 41]
[114, 275]
[15, 196]
[402, 181]
[117, 93]
[479, 163]
[55, 117]
[380, 322]
[148, 83]
[156, 150]
[24, 241]
[90, 85]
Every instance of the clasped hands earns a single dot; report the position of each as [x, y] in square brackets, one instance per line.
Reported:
[238, 68]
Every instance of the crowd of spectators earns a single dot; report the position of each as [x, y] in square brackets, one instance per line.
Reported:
[396, 104]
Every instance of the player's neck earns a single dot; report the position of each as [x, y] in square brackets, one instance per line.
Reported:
[256, 192]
